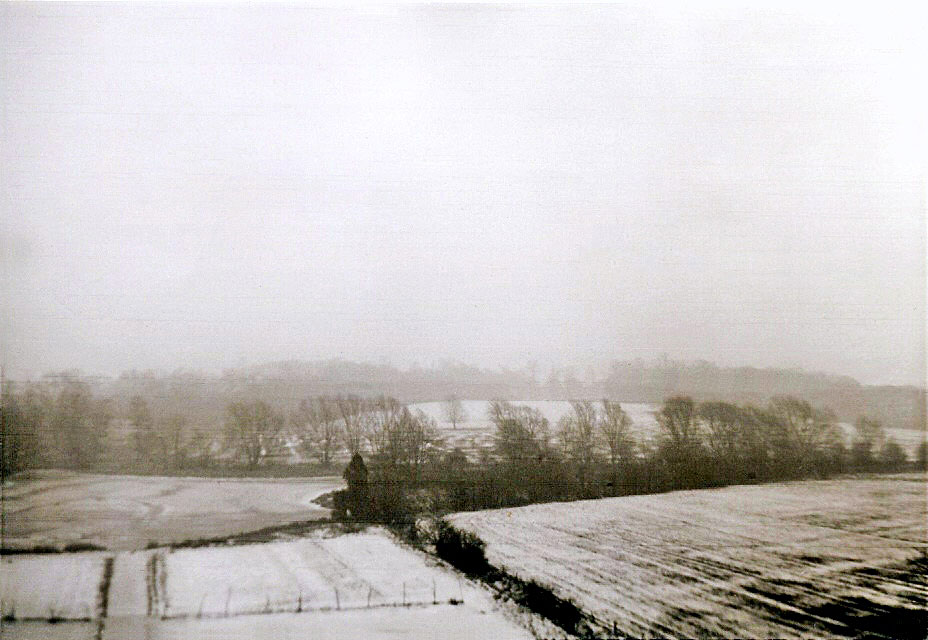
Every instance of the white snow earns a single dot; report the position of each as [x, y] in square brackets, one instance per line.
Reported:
[695, 562]
[128, 593]
[129, 512]
[349, 571]
[214, 592]
[51, 586]
[442, 622]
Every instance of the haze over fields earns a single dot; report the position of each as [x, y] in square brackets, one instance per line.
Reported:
[451, 321]
[213, 186]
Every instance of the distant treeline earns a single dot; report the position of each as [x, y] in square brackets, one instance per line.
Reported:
[202, 398]
[62, 423]
[591, 452]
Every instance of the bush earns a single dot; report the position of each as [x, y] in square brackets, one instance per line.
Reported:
[340, 504]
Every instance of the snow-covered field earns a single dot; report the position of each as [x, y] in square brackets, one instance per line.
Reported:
[476, 432]
[439, 622]
[353, 585]
[347, 571]
[63, 587]
[129, 512]
[781, 560]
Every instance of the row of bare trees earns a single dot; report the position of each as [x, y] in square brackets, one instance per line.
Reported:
[697, 444]
[327, 427]
[381, 427]
[52, 425]
[62, 422]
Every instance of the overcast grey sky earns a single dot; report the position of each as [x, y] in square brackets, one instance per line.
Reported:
[208, 186]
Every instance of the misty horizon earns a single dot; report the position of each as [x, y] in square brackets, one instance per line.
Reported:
[591, 373]
[212, 187]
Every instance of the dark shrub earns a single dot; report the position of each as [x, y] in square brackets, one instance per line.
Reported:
[461, 549]
[339, 505]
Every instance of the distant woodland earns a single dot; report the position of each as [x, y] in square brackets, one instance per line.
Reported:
[731, 426]
[157, 422]
[286, 384]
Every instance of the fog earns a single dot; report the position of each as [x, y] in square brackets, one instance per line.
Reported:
[211, 186]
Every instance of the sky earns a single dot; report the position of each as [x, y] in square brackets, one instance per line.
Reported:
[207, 186]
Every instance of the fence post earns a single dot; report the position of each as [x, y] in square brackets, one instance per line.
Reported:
[338, 602]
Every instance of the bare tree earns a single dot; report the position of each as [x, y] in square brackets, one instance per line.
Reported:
[176, 438]
[351, 412]
[578, 431]
[680, 439]
[679, 424]
[868, 439]
[521, 432]
[722, 422]
[536, 426]
[615, 428]
[454, 411]
[80, 421]
[420, 438]
[148, 443]
[807, 432]
[380, 424]
[253, 430]
[317, 428]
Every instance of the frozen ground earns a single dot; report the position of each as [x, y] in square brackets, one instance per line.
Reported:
[55, 508]
[351, 571]
[63, 587]
[835, 558]
[320, 587]
[440, 622]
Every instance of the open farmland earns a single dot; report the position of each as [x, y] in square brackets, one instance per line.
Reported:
[833, 558]
[65, 587]
[54, 508]
[355, 585]
[351, 571]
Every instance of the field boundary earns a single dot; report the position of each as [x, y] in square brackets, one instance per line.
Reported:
[465, 552]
